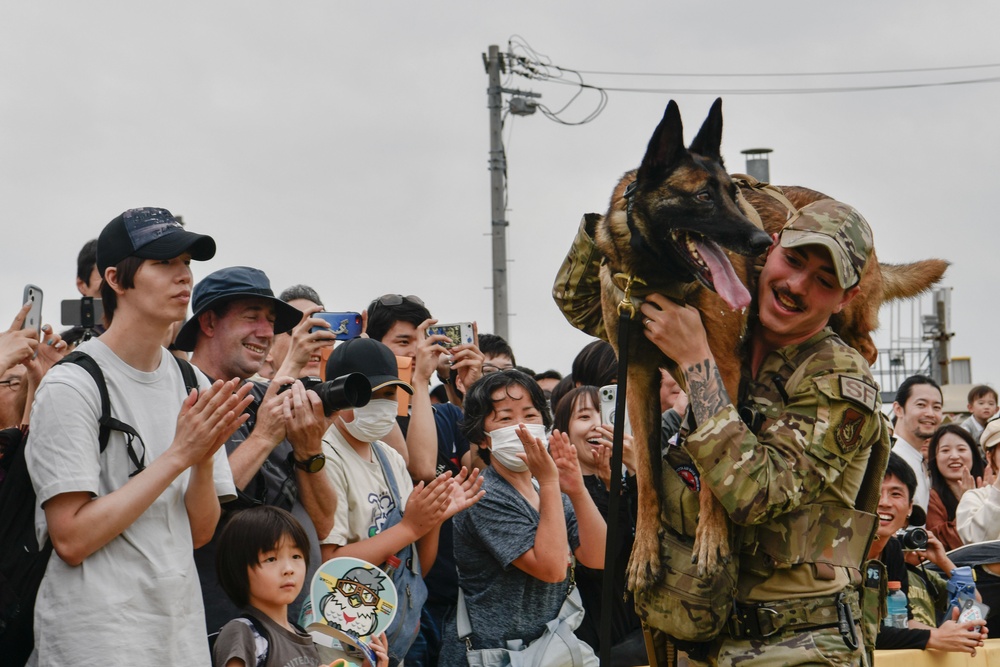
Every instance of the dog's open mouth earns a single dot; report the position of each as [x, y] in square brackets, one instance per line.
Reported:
[711, 266]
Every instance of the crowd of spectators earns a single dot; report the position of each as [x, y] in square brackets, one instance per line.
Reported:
[137, 573]
[448, 468]
[943, 478]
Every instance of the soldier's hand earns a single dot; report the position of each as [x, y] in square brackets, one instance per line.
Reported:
[676, 329]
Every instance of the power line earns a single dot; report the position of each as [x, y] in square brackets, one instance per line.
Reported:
[780, 91]
[913, 70]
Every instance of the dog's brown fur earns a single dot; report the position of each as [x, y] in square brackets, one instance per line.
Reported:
[687, 190]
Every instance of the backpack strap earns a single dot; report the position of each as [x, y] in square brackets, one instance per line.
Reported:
[262, 638]
[187, 372]
[106, 422]
[383, 461]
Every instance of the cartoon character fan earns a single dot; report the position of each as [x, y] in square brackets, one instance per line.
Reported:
[350, 600]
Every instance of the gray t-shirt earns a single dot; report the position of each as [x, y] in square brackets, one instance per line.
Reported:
[285, 648]
[503, 601]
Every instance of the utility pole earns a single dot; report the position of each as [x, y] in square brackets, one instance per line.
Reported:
[498, 174]
[521, 104]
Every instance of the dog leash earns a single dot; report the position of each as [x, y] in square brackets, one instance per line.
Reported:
[626, 313]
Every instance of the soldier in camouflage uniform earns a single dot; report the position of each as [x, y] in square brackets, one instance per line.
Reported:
[788, 460]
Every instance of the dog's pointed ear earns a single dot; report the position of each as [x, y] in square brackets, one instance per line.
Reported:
[666, 146]
[709, 140]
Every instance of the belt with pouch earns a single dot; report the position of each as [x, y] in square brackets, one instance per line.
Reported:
[760, 620]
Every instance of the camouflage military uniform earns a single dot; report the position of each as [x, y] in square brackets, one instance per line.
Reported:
[790, 480]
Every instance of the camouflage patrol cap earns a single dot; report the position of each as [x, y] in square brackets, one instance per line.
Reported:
[839, 228]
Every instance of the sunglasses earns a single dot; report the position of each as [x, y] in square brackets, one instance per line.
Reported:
[398, 299]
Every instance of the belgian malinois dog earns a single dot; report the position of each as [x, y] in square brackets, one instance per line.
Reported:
[674, 226]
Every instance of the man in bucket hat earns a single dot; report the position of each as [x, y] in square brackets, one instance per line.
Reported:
[276, 454]
[794, 473]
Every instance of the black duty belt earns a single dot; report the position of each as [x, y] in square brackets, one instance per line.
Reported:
[759, 620]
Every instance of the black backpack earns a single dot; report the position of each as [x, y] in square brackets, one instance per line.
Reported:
[22, 563]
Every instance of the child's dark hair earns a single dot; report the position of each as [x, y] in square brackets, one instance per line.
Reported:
[564, 409]
[981, 390]
[246, 535]
[479, 402]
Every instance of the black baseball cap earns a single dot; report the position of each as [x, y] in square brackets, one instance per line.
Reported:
[370, 358]
[149, 233]
[235, 282]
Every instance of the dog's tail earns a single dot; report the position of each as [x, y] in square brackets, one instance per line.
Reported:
[903, 281]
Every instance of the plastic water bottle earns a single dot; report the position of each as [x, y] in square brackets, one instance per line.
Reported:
[896, 606]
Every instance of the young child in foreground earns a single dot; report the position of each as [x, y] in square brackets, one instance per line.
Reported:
[262, 558]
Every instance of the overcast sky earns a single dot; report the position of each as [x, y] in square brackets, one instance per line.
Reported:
[345, 145]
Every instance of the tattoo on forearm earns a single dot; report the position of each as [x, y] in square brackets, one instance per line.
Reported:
[707, 393]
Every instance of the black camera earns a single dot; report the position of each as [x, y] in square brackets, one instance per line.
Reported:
[348, 391]
[913, 538]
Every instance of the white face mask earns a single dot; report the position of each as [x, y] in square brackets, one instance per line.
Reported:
[373, 421]
[506, 445]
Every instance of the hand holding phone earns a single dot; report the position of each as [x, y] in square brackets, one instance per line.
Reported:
[344, 326]
[33, 320]
[460, 333]
[17, 344]
[609, 396]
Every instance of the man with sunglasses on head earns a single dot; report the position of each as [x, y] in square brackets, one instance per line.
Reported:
[435, 444]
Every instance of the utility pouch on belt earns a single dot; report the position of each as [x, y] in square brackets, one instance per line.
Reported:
[685, 606]
[874, 589]
[577, 288]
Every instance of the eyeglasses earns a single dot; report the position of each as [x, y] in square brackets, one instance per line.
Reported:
[11, 383]
[362, 592]
[491, 368]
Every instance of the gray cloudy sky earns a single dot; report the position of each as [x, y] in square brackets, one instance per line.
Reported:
[344, 145]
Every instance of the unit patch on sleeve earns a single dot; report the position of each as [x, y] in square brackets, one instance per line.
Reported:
[849, 432]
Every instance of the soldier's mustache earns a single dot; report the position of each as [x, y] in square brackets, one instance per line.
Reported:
[784, 292]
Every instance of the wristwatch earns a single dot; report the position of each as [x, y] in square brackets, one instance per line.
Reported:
[311, 464]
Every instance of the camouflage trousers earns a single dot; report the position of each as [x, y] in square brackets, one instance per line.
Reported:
[810, 647]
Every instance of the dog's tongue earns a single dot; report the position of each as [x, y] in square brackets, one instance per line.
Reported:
[727, 284]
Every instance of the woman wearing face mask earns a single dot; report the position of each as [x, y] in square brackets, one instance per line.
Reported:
[514, 548]
[379, 511]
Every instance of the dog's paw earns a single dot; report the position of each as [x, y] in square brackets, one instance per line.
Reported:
[644, 566]
[711, 543]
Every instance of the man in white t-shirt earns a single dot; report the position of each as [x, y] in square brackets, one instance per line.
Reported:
[918, 414]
